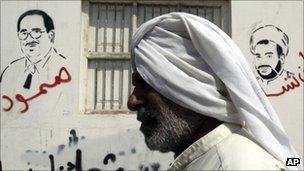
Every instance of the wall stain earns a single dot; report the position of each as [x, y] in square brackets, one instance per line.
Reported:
[155, 166]
[28, 151]
[133, 150]
[140, 167]
[121, 153]
[60, 148]
[73, 140]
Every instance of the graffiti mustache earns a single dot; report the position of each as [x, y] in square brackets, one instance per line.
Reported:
[32, 43]
[262, 66]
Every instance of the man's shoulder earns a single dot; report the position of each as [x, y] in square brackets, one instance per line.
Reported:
[54, 60]
[236, 152]
[239, 152]
[9, 67]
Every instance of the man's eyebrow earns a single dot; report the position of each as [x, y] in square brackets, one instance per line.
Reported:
[268, 53]
[22, 30]
[36, 29]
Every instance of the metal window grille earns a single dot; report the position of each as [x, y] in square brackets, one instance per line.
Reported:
[110, 28]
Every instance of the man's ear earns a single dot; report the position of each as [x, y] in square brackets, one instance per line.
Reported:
[52, 35]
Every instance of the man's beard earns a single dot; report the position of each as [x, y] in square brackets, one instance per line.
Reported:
[274, 72]
[171, 128]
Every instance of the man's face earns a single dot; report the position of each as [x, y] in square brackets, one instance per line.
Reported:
[165, 125]
[34, 39]
[267, 60]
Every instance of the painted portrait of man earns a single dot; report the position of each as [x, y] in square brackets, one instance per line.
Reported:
[39, 63]
[36, 34]
[270, 46]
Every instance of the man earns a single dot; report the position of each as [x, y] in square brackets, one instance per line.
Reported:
[196, 96]
[270, 45]
[39, 64]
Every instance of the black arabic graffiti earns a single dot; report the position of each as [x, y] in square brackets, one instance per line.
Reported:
[108, 157]
[76, 165]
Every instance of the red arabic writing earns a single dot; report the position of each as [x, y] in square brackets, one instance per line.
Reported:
[62, 77]
[10, 101]
[296, 81]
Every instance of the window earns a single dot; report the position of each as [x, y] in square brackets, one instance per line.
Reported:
[108, 34]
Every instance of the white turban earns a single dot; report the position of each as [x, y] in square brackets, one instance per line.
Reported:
[192, 62]
[271, 33]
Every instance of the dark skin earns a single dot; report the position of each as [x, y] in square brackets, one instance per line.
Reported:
[143, 95]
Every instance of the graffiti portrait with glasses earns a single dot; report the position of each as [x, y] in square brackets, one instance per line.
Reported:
[270, 48]
[39, 64]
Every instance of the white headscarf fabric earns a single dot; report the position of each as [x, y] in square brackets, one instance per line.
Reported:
[192, 62]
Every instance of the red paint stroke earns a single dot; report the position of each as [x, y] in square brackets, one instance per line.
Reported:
[62, 77]
[20, 98]
[10, 101]
[296, 82]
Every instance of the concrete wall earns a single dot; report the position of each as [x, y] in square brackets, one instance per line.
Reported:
[41, 128]
[285, 91]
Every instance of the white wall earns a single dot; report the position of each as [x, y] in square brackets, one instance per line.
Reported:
[247, 16]
[49, 124]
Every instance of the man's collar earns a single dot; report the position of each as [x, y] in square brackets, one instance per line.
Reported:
[267, 81]
[202, 145]
[34, 66]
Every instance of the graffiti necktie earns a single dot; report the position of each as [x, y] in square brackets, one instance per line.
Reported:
[28, 81]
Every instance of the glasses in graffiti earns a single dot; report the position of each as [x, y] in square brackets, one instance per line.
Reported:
[35, 34]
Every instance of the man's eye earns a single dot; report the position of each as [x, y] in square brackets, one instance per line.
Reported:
[269, 56]
[258, 56]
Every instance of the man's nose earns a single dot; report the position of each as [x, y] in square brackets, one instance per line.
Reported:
[261, 61]
[135, 101]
